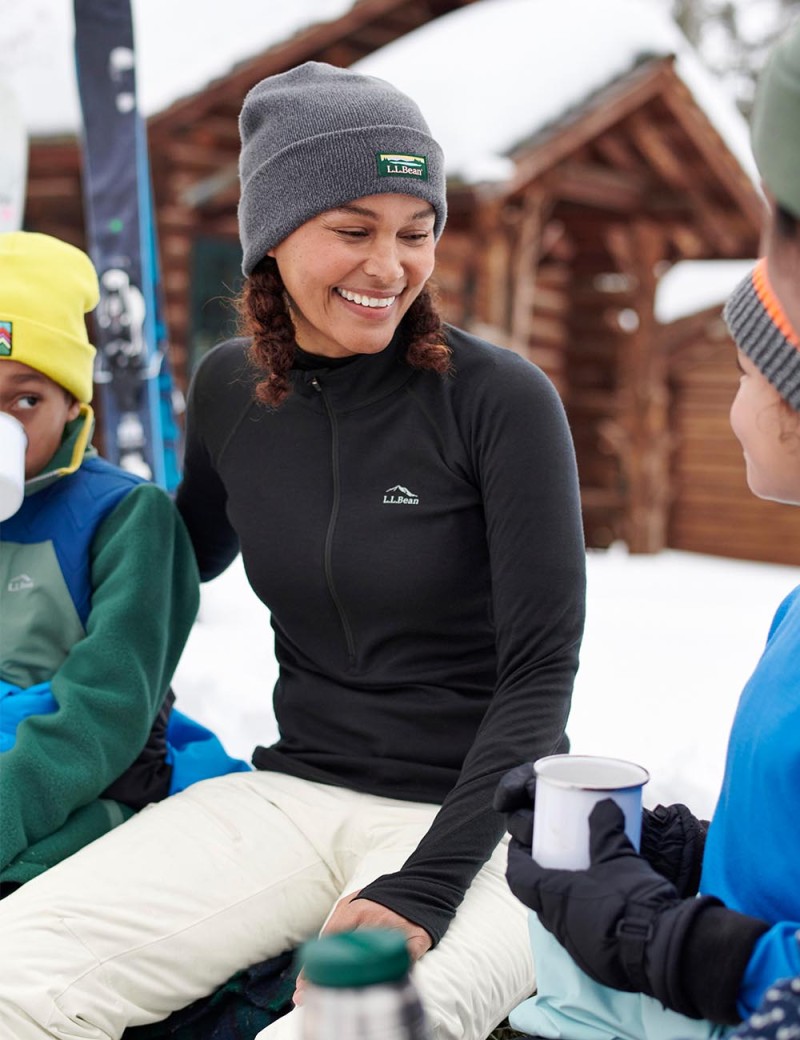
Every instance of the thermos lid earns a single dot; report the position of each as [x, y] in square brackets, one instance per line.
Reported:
[361, 958]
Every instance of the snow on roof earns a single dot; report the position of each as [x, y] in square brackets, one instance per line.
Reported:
[487, 76]
[490, 75]
[181, 46]
[693, 285]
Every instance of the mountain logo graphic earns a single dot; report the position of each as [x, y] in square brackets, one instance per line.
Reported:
[6, 334]
[21, 582]
[394, 164]
[400, 496]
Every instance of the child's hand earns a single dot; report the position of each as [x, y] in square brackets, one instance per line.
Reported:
[627, 927]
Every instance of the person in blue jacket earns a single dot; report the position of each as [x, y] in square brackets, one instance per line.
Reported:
[98, 592]
[645, 955]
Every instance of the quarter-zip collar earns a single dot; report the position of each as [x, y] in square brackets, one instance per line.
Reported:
[366, 379]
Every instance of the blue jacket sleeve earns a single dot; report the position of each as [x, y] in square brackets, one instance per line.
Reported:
[775, 956]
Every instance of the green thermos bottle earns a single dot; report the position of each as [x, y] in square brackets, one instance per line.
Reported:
[359, 988]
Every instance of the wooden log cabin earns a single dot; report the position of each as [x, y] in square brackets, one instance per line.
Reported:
[562, 265]
[560, 262]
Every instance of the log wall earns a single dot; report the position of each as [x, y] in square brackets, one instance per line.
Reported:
[713, 510]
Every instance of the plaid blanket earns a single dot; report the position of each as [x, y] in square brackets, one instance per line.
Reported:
[244, 1005]
[248, 1002]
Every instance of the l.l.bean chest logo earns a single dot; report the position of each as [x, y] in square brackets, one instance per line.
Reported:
[400, 496]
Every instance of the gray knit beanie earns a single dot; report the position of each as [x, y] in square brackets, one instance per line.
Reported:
[776, 121]
[319, 136]
[762, 331]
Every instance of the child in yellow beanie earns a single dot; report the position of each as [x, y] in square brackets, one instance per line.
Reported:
[98, 591]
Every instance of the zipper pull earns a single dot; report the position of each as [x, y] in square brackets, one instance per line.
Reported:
[316, 384]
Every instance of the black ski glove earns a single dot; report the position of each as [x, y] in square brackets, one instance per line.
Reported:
[673, 841]
[626, 927]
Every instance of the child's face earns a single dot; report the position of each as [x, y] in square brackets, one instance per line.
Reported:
[42, 406]
[769, 433]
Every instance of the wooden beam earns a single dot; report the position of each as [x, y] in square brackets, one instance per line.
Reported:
[651, 143]
[599, 187]
[523, 267]
[492, 273]
[217, 128]
[607, 108]
[620, 245]
[684, 177]
[617, 152]
[715, 151]
[643, 396]
[193, 156]
[52, 188]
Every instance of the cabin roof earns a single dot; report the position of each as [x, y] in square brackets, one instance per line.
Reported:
[488, 75]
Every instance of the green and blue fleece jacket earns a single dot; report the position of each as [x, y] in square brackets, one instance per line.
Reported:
[98, 593]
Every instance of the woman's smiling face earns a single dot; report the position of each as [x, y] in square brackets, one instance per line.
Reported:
[351, 273]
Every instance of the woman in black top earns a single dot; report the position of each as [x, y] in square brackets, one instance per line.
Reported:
[404, 496]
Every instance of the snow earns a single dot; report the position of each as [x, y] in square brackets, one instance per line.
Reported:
[181, 46]
[480, 96]
[670, 640]
[693, 285]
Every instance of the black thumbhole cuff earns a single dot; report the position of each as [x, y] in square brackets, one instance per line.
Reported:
[718, 946]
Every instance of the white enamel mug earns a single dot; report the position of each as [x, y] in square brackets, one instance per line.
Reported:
[13, 442]
[567, 789]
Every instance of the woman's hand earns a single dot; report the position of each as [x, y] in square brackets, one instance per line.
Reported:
[352, 913]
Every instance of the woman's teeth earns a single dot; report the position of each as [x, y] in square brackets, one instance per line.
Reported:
[366, 301]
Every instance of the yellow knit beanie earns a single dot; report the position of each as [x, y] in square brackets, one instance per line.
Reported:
[46, 288]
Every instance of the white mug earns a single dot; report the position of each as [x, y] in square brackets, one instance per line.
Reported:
[13, 442]
[567, 789]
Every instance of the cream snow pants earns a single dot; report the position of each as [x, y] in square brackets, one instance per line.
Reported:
[164, 909]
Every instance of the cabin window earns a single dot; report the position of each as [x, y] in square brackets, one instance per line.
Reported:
[216, 278]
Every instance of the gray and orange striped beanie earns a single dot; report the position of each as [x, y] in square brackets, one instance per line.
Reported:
[762, 331]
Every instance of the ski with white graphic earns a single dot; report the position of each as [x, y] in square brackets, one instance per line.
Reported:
[14, 167]
[134, 381]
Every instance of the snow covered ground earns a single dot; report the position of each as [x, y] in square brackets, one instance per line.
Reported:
[670, 641]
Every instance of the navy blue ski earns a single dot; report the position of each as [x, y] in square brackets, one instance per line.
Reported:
[135, 386]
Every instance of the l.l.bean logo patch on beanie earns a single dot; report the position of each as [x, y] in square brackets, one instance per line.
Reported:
[5, 338]
[392, 164]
